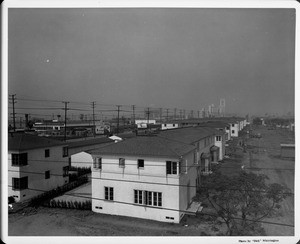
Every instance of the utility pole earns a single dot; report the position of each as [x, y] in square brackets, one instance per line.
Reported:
[118, 123]
[167, 114]
[133, 113]
[94, 127]
[14, 114]
[66, 108]
[160, 114]
[148, 114]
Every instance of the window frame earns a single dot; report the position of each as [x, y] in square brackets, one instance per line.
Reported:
[65, 152]
[147, 198]
[19, 159]
[171, 168]
[47, 153]
[65, 171]
[141, 161]
[108, 193]
[47, 174]
[97, 163]
[19, 184]
[121, 162]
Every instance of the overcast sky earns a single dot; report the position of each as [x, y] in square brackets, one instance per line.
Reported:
[171, 58]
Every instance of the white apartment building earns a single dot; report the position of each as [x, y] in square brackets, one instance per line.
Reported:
[35, 164]
[144, 177]
[168, 126]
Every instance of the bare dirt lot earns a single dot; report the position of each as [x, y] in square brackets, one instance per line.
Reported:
[262, 156]
[267, 161]
[70, 222]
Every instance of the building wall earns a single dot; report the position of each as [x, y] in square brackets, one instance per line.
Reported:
[221, 145]
[82, 159]
[125, 180]
[234, 129]
[187, 181]
[169, 126]
[35, 170]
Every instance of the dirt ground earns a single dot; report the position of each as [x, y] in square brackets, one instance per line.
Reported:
[267, 159]
[70, 222]
[263, 157]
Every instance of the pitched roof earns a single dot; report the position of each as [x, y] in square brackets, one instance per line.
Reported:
[188, 134]
[23, 141]
[152, 146]
[89, 142]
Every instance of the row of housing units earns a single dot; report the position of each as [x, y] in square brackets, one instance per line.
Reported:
[151, 176]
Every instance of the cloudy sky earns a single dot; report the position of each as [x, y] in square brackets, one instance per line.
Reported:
[171, 58]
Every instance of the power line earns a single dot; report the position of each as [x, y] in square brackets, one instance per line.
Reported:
[150, 183]
[153, 165]
[164, 208]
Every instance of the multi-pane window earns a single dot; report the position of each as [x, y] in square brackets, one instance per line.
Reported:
[109, 193]
[47, 153]
[218, 138]
[97, 164]
[20, 183]
[140, 163]
[65, 151]
[19, 159]
[149, 198]
[47, 174]
[65, 171]
[122, 162]
[171, 168]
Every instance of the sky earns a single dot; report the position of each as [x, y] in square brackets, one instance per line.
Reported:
[170, 58]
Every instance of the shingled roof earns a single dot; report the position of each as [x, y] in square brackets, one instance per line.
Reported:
[188, 135]
[23, 141]
[152, 146]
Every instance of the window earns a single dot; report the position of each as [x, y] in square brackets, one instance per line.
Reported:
[149, 198]
[122, 162]
[173, 125]
[140, 163]
[218, 138]
[232, 125]
[171, 168]
[47, 153]
[65, 171]
[165, 125]
[19, 159]
[97, 164]
[20, 183]
[109, 193]
[47, 174]
[233, 131]
[65, 151]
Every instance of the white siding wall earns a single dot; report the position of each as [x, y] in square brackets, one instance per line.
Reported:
[37, 163]
[168, 126]
[234, 129]
[82, 159]
[126, 180]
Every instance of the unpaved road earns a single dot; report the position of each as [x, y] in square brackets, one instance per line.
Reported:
[268, 161]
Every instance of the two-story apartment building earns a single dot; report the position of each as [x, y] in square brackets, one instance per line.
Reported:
[35, 164]
[146, 177]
